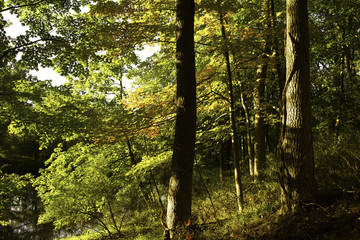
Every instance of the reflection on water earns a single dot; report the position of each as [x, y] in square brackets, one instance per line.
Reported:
[24, 221]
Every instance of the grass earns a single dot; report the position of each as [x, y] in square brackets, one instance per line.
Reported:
[335, 215]
[85, 236]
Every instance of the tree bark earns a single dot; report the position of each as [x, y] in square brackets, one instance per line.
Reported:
[297, 156]
[180, 185]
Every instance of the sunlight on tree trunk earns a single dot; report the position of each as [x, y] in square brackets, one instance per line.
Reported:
[233, 131]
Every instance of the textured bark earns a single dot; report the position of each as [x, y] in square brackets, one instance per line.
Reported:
[297, 160]
[180, 185]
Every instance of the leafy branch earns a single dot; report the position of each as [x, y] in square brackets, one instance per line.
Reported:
[19, 47]
[21, 6]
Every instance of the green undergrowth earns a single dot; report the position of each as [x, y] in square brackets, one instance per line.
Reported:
[335, 214]
[90, 235]
[214, 209]
[260, 198]
[337, 218]
[215, 212]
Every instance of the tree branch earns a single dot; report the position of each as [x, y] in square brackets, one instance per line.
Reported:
[20, 6]
[7, 51]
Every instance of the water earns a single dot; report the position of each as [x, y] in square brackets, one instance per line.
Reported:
[24, 221]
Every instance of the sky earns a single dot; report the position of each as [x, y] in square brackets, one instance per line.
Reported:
[17, 29]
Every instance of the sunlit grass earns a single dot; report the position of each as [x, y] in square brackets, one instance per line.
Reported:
[85, 236]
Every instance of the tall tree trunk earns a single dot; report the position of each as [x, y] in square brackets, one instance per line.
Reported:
[259, 95]
[248, 129]
[297, 156]
[259, 136]
[221, 163]
[277, 66]
[339, 85]
[234, 140]
[180, 185]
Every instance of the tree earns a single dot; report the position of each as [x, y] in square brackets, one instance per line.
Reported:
[259, 95]
[233, 133]
[335, 55]
[180, 189]
[86, 185]
[12, 191]
[297, 159]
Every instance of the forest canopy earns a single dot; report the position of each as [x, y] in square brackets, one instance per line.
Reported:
[249, 107]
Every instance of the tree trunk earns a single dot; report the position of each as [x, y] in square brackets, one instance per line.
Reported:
[259, 136]
[248, 129]
[297, 156]
[259, 95]
[339, 85]
[180, 185]
[234, 140]
[277, 65]
[278, 69]
[221, 163]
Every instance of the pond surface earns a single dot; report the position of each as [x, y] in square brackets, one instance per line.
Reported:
[24, 221]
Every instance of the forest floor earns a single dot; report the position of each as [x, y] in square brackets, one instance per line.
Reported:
[333, 217]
